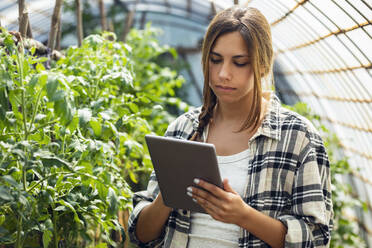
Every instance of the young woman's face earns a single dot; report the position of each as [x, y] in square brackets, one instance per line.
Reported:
[230, 71]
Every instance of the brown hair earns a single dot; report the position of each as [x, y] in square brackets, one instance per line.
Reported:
[255, 30]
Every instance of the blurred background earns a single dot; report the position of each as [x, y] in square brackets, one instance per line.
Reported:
[323, 54]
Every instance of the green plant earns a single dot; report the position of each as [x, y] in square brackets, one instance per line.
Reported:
[72, 137]
[344, 232]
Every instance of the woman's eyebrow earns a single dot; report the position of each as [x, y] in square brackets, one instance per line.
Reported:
[235, 56]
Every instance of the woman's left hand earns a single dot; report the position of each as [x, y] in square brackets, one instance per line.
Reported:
[224, 205]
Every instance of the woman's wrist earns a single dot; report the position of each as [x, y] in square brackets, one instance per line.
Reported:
[159, 204]
[245, 216]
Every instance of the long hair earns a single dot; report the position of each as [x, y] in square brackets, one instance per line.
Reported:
[255, 30]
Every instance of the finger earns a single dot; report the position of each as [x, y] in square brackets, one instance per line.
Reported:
[217, 191]
[203, 195]
[208, 206]
[227, 186]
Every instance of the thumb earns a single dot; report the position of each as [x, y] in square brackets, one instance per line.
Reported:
[227, 187]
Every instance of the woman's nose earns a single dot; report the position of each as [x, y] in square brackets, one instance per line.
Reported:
[225, 72]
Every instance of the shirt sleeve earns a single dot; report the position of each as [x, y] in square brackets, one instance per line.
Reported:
[142, 199]
[181, 128]
[310, 219]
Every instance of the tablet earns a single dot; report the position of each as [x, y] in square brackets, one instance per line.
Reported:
[176, 163]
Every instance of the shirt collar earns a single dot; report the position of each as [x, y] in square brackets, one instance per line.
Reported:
[270, 125]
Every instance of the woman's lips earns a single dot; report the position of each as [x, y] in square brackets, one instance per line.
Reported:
[224, 88]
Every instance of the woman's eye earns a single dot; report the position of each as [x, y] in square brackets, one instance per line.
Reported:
[215, 61]
[240, 64]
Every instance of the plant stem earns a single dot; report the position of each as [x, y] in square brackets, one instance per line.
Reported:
[59, 173]
[20, 60]
[55, 233]
[19, 230]
[63, 144]
[47, 177]
[24, 175]
[44, 125]
[35, 109]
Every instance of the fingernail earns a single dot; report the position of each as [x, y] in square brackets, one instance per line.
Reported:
[189, 194]
[196, 181]
[189, 189]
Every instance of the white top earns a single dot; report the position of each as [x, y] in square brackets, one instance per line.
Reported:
[207, 232]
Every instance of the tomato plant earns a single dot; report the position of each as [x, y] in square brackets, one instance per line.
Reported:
[72, 136]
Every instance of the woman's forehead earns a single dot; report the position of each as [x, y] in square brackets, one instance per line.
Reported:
[230, 44]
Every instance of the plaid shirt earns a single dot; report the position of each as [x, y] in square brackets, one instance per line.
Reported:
[289, 180]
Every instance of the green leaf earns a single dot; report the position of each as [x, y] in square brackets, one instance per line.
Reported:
[11, 181]
[50, 161]
[113, 201]
[60, 208]
[133, 107]
[2, 219]
[69, 206]
[133, 176]
[101, 245]
[102, 190]
[40, 67]
[51, 87]
[64, 110]
[33, 50]
[74, 123]
[4, 106]
[93, 41]
[58, 95]
[96, 126]
[47, 237]
[5, 193]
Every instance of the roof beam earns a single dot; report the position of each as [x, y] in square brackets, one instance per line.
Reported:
[340, 31]
[288, 13]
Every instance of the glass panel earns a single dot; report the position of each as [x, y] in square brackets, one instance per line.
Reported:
[224, 3]
[334, 13]
[320, 16]
[351, 11]
[315, 25]
[289, 4]
[6, 4]
[347, 58]
[362, 39]
[328, 60]
[354, 50]
[277, 11]
[368, 29]
[366, 11]
[365, 79]
[353, 83]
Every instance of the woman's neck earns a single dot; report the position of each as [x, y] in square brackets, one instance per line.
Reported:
[236, 113]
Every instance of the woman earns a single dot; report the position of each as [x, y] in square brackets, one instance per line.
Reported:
[277, 179]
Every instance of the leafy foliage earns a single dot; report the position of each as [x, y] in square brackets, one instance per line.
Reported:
[72, 137]
[345, 231]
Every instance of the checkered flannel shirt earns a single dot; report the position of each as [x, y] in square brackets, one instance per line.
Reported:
[289, 180]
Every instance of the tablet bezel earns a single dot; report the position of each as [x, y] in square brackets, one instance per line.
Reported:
[176, 163]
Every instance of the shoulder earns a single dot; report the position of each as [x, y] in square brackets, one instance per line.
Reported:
[184, 125]
[291, 120]
[282, 121]
[302, 131]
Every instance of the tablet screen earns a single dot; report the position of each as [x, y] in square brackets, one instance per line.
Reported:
[176, 163]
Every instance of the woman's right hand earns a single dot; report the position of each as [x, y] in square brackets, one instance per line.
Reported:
[159, 201]
[152, 219]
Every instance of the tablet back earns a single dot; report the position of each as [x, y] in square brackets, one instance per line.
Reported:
[176, 163]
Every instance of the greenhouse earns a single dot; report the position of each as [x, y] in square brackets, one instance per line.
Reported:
[83, 82]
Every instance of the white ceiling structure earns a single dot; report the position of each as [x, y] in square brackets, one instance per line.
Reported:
[323, 52]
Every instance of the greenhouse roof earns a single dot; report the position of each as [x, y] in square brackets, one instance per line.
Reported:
[323, 54]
